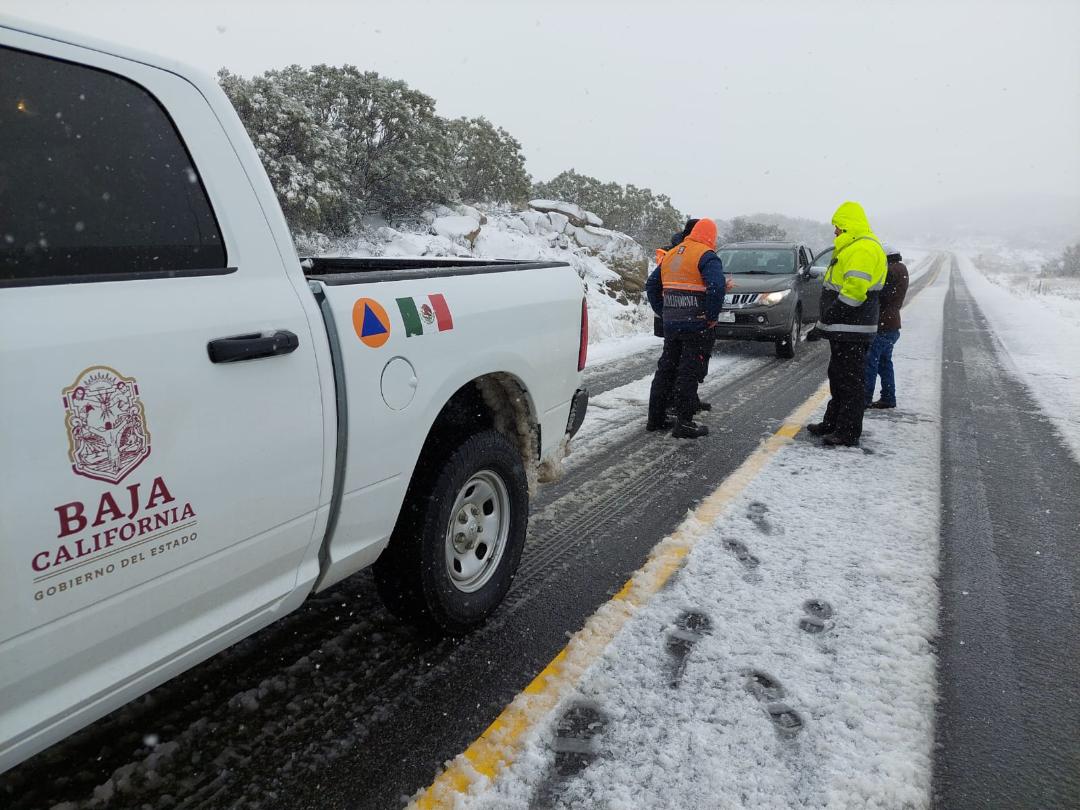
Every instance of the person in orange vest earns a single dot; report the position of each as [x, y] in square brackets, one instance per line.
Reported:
[658, 322]
[687, 291]
[676, 240]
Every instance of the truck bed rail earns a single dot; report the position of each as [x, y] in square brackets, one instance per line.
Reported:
[334, 270]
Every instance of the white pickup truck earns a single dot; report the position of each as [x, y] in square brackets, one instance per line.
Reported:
[198, 429]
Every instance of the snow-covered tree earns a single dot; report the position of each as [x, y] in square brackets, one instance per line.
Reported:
[302, 156]
[1067, 264]
[818, 235]
[648, 217]
[488, 164]
[396, 154]
[743, 229]
[339, 143]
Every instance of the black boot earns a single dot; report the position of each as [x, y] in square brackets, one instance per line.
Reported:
[702, 406]
[689, 430]
[881, 405]
[836, 440]
[819, 429]
[667, 423]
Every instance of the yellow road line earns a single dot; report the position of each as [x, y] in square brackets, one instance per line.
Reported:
[499, 745]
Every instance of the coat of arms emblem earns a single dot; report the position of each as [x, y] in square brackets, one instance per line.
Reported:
[106, 425]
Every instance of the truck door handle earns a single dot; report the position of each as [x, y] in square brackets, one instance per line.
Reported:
[252, 347]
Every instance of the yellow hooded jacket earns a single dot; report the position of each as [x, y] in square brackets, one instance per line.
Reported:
[853, 281]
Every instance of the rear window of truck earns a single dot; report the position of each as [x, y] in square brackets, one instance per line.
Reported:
[95, 182]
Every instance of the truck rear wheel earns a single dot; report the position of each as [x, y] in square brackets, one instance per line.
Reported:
[785, 347]
[459, 539]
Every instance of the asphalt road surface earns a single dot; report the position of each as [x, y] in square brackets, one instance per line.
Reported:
[339, 705]
[1008, 725]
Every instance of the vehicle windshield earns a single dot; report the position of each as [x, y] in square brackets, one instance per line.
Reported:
[771, 261]
[823, 258]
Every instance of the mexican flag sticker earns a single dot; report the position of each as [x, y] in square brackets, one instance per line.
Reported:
[420, 316]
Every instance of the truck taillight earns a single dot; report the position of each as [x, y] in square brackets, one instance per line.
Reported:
[583, 347]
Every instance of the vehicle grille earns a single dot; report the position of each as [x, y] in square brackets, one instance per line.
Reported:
[736, 300]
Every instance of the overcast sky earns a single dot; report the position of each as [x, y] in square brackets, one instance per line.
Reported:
[727, 107]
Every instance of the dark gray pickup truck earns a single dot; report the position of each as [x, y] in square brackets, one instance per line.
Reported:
[774, 290]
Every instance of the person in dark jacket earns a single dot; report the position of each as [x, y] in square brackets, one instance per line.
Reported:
[687, 291]
[850, 307]
[658, 322]
[879, 358]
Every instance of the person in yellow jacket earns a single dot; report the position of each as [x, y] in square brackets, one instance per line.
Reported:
[849, 321]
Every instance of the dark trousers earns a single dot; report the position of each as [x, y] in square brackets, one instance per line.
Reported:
[678, 372]
[879, 362]
[710, 342]
[847, 384]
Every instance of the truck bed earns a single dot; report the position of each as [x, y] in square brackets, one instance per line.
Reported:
[333, 270]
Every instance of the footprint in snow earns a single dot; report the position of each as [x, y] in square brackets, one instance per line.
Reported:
[764, 687]
[742, 553]
[576, 745]
[690, 628]
[756, 513]
[767, 691]
[817, 611]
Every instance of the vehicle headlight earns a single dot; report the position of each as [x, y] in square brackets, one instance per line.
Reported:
[774, 297]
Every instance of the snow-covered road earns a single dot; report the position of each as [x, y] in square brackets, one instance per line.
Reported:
[1009, 706]
[802, 623]
[1041, 335]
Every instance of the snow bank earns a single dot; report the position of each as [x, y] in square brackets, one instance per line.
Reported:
[612, 266]
[1041, 334]
[456, 227]
[621, 347]
[862, 687]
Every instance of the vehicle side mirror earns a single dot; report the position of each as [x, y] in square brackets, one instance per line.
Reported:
[815, 272]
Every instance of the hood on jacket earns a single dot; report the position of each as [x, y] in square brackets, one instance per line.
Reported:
[851, 219]
[705, 233]
[681, 236]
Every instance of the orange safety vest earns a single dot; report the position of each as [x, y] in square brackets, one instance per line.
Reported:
[679, 269]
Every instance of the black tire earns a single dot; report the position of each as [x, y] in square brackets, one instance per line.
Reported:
[413, 574]
[786, 347]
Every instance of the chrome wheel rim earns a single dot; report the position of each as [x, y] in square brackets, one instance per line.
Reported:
[478, 530]
[796, 330]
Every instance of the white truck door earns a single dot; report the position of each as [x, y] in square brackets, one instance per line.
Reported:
[161, 448]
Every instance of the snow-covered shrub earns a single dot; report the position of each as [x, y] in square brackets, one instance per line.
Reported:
[1067, 264]
[341, 144]
[744, 229]
[302, 156]
[487, 162]
[647, 217]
